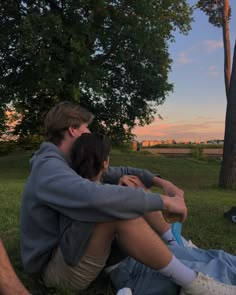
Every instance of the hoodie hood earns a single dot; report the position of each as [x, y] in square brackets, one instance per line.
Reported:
[47, 150]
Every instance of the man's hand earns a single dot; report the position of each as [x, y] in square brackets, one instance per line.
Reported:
[175, 204]
[169, 188]
[132, 181]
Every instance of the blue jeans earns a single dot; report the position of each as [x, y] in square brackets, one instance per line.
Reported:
[146, 281]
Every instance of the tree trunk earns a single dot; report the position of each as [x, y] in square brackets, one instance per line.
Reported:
[227, 52]
[228, 166]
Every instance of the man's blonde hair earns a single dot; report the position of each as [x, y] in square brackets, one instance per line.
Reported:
[61, 117]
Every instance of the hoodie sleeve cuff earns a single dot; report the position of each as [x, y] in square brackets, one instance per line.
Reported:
[154, 202]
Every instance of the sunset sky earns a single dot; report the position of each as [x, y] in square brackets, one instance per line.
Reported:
[196, 108]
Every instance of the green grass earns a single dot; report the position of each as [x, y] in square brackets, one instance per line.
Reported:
[206, 202]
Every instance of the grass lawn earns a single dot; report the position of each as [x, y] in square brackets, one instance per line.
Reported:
[206, 203]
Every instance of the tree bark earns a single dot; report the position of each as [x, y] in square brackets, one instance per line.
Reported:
[227, 52]
[228, 166]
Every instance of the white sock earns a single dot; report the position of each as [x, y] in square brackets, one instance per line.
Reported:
[170, 239]
[178, 272]
[124, 291]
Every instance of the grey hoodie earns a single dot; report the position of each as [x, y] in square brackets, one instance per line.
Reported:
[53, 190]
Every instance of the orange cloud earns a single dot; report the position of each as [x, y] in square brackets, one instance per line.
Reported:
[181, 130]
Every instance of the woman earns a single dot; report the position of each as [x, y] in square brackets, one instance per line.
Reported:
[90, 159]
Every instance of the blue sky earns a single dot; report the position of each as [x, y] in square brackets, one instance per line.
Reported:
[196, 108]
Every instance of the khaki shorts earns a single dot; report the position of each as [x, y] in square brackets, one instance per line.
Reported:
[59, 274]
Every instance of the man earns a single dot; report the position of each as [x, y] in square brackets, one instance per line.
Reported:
[9, 282]
[54, 190]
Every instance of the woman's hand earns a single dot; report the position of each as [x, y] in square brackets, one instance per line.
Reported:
[132, 181]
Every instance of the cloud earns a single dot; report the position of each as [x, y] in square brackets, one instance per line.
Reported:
[213, 71]
[208, 129]
[183, 58]
[212, 45]
[204, 118]
[189, 55]
[206, 46]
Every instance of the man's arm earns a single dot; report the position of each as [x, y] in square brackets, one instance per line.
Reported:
[168, 204]
[57, 186]
[169, 188]
[114, 174]
[9, 282]
[61, 188]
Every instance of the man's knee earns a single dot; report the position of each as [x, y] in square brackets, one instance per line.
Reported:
[102, 236]
[104, 233]
[131, 224]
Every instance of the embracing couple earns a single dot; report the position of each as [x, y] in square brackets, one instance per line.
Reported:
[77, 213]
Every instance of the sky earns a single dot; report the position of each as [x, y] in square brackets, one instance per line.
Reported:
[195, 110]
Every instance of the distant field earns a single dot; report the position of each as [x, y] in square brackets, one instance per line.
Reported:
[182, 150]
[206, 202]
[217, 152]
[181, 146]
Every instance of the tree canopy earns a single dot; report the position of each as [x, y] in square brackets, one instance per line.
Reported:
[214, 9]
[110, 56]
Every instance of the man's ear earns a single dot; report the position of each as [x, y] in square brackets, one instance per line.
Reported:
[71, 131]
[106, 164]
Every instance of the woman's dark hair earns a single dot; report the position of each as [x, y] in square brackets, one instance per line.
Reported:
[88, 154]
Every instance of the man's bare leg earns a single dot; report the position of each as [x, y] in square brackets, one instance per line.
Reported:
[137, 238]
[142, 243]
[157, 222]
[154, 219]
[9, 282]
[162, 228]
